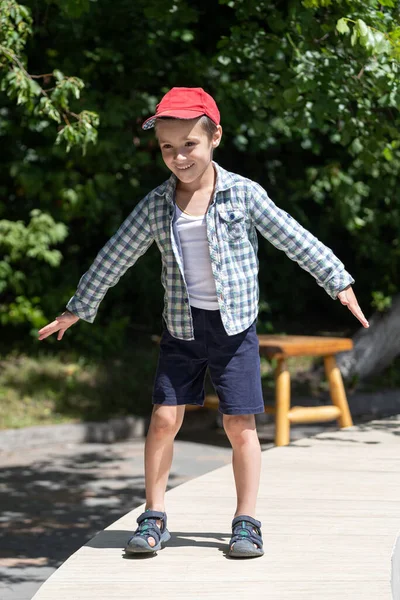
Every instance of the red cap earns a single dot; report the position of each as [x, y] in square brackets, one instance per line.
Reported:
[185, 103]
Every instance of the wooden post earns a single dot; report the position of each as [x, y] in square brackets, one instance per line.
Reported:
[338, 394]
[282, 402]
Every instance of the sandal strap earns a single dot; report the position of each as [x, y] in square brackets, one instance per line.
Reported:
[243, 529]
[152, 514]
[147, 526]
[240, 518]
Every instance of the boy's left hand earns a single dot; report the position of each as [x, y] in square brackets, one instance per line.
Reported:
[348, 298]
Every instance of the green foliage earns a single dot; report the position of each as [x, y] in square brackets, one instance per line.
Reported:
[20, 87]
[33, 240]
[17, 83]
[381, 302]
[15, 25]
[309, 96]
[20, 246]
[81, 132]
[373, 40]
[333, 106]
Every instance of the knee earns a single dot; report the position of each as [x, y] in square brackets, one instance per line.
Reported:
[239, 427]
[165, 423]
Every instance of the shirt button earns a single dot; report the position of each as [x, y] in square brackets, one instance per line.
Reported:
[185, 300]
[231, 216]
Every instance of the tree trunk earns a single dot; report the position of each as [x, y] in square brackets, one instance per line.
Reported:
[374, 348]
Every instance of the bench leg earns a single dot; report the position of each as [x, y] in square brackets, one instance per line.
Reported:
[282, 404]
[338, 394]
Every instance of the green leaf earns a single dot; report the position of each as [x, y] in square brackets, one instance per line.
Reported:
[58, 75]
[354, 37]
[25, 12]
[368, 40]
[356, 146]
[291, 95]
[362, 28]
[395, 34]
[187, 36]
[388, 154]
[34, 88]
[342, 26]
[382, 45]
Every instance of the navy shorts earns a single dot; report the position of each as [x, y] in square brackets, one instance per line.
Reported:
[233, 362]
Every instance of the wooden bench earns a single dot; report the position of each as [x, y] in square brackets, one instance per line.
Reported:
[282, 347]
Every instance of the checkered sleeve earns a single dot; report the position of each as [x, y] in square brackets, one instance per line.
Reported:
[131, 240]
[286, 234]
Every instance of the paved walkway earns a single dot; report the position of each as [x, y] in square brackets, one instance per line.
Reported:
[330, 508]
[55, 498]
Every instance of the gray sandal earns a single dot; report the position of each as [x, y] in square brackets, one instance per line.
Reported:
[246, 532]
[148, 527]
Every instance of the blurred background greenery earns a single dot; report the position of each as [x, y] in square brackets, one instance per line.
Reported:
[309, 93]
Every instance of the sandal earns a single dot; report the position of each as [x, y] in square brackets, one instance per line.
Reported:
[246, 532]
[148, 527]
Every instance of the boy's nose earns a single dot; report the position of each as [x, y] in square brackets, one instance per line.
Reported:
[180, 156]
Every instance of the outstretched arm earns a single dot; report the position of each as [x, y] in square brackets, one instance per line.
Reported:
[120, 253]
[131, 240]
[286, 234]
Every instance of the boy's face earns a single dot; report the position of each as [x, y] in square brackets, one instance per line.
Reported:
[185, 147]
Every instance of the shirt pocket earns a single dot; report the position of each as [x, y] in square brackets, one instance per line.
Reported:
[233, 223]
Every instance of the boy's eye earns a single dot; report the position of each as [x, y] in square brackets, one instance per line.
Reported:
[168, 146]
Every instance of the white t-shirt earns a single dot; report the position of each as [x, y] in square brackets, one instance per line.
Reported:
[191, 237]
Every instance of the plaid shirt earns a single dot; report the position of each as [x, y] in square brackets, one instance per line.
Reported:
[239, 207]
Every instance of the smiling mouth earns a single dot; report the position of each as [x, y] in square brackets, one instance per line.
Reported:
[185, 168]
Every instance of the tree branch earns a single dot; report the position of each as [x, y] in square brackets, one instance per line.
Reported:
[15, 59]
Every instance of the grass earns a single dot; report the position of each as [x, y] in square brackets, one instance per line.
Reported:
[64, 388]
[45, 389]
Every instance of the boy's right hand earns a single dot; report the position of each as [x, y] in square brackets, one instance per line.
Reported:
[61, 325]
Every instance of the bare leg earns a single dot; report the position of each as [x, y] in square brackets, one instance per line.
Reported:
[246, 461]
[164, 425]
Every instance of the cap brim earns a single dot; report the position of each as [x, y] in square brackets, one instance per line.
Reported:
[177, 114]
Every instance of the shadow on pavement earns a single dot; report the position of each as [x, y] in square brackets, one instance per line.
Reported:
[52, 507]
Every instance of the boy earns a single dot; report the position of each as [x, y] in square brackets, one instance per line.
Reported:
[204, 221]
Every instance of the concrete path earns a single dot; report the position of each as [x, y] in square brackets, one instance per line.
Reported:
[330, 508]
[55, 498]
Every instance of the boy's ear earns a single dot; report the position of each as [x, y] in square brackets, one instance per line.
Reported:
[217, 140]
